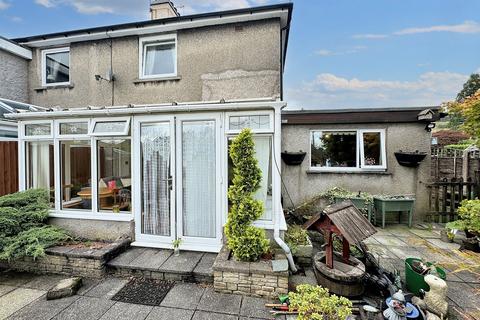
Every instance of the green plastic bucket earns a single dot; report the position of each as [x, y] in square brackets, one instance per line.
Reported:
[416, 281]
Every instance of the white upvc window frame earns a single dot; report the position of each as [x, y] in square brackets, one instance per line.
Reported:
[124, 132]
[72, 136]
[383, 149]
[249, 113]
[360, 167]
[144, 42]
[23, 132]
[44, 67]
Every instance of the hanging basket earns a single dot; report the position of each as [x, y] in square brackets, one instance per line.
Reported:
[410, 159]
[293, 158]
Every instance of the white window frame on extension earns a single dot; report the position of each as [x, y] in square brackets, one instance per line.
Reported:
[154, 40]
[361, 166]
[44, 67]
[268, 132]
[124, 132]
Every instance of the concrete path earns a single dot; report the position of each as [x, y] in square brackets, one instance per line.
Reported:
[396, 243]
[22, 296]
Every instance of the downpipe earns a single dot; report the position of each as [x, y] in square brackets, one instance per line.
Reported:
[284, 246]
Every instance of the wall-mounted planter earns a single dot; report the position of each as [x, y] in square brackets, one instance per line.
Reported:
[410, 159]
[293, 158]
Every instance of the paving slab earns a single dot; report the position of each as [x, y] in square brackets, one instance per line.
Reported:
[107, 288]
[150, 259]
[127, 311]
[85, 308]
[444, 245]
[470, 277]
[17, 299]
[183, 263]
[390, 241]
[87, 285]
[220, 302]
[43, 309]
[162, 313]
[405, 252]
[202, 315]
[427, 234]
[44, 282]
[205, 266]
[16, 279]
[125, 258]
[463, 295]
[183, 295]
[4, 289]
[254, 308]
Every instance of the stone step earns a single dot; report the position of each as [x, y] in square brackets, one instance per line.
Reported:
[151, 263]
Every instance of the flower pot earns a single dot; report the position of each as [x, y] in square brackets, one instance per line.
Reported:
[304, 253]
[176, 252]
[410, 159]
[471, 244]
[444, 236]
[293, 158]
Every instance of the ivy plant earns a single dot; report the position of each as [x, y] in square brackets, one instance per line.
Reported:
[246, 241]
[316, 303]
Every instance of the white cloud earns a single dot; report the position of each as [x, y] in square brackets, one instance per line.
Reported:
[465, 27]
[370, 36]
[323, 52]
[326, 53]
[91, 9]
[45, 3]
[4, 5]
[331, 91]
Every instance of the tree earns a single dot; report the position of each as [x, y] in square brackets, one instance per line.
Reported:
[247, 242]
[469, 110]
[470, 87]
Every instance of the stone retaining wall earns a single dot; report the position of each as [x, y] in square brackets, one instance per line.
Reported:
[70, 261]
[250, 278]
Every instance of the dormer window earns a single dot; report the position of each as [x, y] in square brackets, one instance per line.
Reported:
[56, 67]
[158, 56]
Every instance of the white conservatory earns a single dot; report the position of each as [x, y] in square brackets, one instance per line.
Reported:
[166, 167]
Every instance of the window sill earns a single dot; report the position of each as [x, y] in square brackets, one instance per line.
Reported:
[60, 86]
[377, 172]
[159, 79]
[91, 216]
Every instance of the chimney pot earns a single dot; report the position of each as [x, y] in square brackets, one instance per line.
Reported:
[161, 9]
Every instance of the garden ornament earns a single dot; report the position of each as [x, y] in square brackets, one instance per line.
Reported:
[397, 308]
[436, 298]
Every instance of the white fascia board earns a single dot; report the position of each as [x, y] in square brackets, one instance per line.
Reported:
[148, 109]
[8, 125]
[169, 27]
[15, 49]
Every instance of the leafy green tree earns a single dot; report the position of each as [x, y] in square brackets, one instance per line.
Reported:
[470, 87]
[247, 242]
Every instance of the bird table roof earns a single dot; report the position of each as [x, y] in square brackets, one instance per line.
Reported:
[352, 224]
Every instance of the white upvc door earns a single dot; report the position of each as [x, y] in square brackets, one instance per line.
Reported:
[154, 172]
[177, 162]
[199, 181]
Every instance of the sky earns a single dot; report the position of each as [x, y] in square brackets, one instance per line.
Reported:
[341, 53]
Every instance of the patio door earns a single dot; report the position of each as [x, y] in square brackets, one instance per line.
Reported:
[179, 168]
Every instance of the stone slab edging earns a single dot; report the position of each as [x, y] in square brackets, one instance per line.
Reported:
[249, 278]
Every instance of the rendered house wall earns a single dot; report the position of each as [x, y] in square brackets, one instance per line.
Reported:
[236, 61]
[13, 77]
[397, 179]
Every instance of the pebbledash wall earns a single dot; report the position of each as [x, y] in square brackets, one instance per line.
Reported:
[233, 61]
[14, 76]
[303, 184]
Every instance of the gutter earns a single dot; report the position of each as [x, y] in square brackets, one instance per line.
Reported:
[15, 49]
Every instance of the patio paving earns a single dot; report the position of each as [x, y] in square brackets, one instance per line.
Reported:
[22, 296]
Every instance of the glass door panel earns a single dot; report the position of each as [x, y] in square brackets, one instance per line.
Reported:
[199, 178]
[156, 176]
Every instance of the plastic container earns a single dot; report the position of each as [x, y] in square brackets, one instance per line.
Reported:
[416, 281]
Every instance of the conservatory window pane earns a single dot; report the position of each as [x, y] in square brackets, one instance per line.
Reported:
[253, 122]
[114, 175]
[73, 128]
[159, 59]
[57, 68]
[109, 127]
[39, 167]
[372, 149]
[38, 129]
[76, 175]
[334, 149]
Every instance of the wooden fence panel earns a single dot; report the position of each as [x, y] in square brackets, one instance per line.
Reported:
[8, 167]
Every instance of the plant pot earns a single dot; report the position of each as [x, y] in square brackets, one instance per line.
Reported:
[304, 253]
[444, 236]
[410, 159]
[416, 281]
[176, 252]
[471, 244]
[293, 158]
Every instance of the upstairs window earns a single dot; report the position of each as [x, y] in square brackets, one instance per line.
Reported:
[348, 150]
[56, 67]
[158, 56]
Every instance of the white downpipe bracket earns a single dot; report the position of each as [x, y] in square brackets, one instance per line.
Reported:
[277, 206]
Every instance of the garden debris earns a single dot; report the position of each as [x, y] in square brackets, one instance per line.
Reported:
[65, 288]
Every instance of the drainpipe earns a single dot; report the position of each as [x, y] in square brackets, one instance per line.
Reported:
[277, 210]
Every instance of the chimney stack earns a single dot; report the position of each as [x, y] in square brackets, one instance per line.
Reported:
[161, 9]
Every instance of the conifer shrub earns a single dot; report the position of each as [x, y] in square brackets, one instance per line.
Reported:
[246, 241]
[23, 229]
